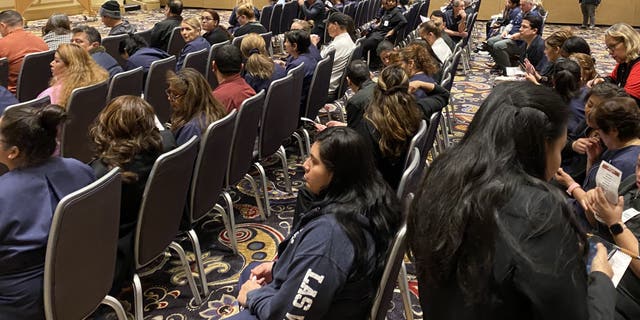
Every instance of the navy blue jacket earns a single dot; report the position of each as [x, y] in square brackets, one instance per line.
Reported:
[144, 57]
[106, 61]
[197, 44]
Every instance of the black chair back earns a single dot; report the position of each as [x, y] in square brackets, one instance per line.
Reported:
[281, 109]
[146, 35]
[244, 136]
[418, 141]
[154, 90]
[197, 60]
[265, 16]
[361, 10]
[163, 202]
[4, 72]
[350, 10]
[83, 108]
[126, 83]
[81, 249]
[289, 13]
[355, 54]
[176, 42]
[211, 166]
[432, 131]
[34, 75]
[211, 75]
[237, 41]
[276, 16]
[267, 41]
[111, 45]
[412, 172]
[35, 103]
[319, 86]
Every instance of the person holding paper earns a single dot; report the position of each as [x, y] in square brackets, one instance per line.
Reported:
[492, 239]
[621, 225]
[617, 122]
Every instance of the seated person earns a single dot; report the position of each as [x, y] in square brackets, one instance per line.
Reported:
[534, 45]
[502, 46]
[574, 154]
[613, 227]
[259, 69]
[6, 99]
[390, 121]
[617, 122]
[111, 17]
[391, 22]
[338, 26]
[194, 108]
[334, 259]
[90, 40]
[306, 26]
[232, 89]
[552, 51]
[125, 136]
[437, 17]
[57, 30]
[296, 44]
[419, 66]
[433, 35]
[162, 31]
[17, 43]
[138, 54]
[566, 80]
[386, 52]
[233, 18]
[455, 21]
[313, 10]
[31, 190]
[214, 32]
[247, 21]
[72, 67]
[193, 40]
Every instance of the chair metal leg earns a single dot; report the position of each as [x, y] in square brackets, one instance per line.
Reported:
[404, 292]
[254, 187]
[307, 140]
[230, 221]
[185, 264]
[298, 138]
[196, 250]
[116, 306]
[265, 192]
[137, 298]
[285, 167]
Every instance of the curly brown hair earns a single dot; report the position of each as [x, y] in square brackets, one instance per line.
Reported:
[393, 112]
[422, 60]
[124, 129]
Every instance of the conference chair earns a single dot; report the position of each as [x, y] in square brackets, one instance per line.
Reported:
[81, 251]
[154, 89]
[82, 109]
[163, 203]
[126, 83]
[34, 75]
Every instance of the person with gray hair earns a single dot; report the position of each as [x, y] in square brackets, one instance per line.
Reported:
[111, 17]
[57, 30]
[16, 43]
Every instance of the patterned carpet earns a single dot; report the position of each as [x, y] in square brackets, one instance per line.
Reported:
[166, 294]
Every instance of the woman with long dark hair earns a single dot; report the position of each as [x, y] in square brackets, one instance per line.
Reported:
[332, 261]
[491, 237]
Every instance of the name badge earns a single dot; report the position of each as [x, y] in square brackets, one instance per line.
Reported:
[386, 23]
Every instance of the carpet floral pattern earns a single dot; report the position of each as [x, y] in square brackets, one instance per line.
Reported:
[166, 293]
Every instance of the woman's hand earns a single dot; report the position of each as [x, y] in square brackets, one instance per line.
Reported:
[531, 78]
[530, 68]
[600, 261]
[263, 271]
[417, 84]
[593, 151]
[248, 286]
[581, 145]
[334, 123]
[564, 178]
[608, 212]
[595, 81]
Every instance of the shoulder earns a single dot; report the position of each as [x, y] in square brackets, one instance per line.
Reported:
[324, 236]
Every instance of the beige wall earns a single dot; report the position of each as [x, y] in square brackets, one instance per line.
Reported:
[219, 4]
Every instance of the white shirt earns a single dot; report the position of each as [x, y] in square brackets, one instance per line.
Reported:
[343, 45]
[441, 49]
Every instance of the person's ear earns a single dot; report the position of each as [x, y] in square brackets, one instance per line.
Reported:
[14, 153]
[95, 44]
[214, 67]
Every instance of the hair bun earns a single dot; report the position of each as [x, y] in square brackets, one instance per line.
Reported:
[51, 116]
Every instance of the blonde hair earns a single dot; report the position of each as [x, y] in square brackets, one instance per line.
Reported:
[625, 33]
[193, 22]
[81, 71]
[246, 10]
[258, 63]
[587, 66]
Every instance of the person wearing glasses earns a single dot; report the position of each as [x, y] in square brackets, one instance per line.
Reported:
[214, 32]
[194, 107]
[161, 32]
[623, 44]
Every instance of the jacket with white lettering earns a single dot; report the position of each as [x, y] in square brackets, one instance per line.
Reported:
[313, 277]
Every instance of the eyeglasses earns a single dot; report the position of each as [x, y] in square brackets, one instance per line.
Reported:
[614, 47]
[206, 19]
[172, 96]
